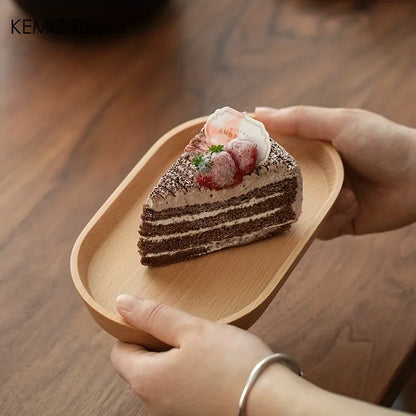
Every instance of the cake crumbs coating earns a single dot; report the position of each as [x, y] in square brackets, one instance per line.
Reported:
[181, 176]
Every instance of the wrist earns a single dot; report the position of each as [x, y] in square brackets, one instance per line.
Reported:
[279, 391]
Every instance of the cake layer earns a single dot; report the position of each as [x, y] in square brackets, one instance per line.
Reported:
[168, 257]
[277, 216]
[185, 217]
[178, 187]
[150, 214]
[192, 217]
[244, 208]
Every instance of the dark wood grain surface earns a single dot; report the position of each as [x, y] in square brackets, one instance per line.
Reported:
[75, 117]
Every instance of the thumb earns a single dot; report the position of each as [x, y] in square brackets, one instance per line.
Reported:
[304, 121]
[157, 319]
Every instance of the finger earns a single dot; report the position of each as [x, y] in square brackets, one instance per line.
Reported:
[124, 358]
[341, 219]
[346, 202]
[335, 226]
[163, 322]
[304, 121]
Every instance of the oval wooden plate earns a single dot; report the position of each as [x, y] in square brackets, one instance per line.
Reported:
[234, 285]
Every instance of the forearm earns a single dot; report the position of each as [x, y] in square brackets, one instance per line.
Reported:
[280, 392]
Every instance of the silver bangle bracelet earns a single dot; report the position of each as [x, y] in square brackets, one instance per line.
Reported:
[258, 369]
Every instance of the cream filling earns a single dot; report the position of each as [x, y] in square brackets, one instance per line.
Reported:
[204, 195]
[194, 217]
[224, 224]
[228, 242]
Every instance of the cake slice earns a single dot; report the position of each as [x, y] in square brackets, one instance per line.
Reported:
[232, 185]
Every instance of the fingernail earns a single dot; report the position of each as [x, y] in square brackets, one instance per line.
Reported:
[264, 110]
[126, 303]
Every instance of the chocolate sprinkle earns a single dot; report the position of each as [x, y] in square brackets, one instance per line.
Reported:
[181, 176]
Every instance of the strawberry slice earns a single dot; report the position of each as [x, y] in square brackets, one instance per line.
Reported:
[244, 154]
[221, 173]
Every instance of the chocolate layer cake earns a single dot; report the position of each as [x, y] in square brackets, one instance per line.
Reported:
[190, 213]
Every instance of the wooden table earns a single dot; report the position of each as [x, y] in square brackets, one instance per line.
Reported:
[75, 117]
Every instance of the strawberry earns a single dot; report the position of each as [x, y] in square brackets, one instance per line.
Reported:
[244, 154]
[225, 166]
[216, 170]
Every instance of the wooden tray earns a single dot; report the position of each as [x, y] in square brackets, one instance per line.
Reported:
[234, 285]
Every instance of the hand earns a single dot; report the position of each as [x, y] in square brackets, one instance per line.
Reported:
[379, 156]
[205, 372]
